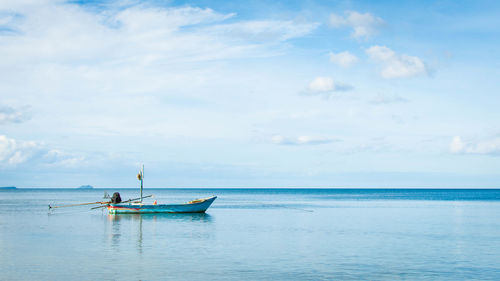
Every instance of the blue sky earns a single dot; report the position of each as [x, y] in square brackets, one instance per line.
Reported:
[250, 94]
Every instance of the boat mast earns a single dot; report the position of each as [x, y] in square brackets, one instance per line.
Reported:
[142, 179]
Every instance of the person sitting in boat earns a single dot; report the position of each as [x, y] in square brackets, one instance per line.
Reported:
[115, 199]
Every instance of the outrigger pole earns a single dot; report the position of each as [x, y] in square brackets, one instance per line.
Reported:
[81, 204]
[129, 200]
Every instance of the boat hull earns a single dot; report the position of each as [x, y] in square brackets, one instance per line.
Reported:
[199, 207]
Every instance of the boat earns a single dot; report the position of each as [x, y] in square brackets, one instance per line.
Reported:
[136, 205]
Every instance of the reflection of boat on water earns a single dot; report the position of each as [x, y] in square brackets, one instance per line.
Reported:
[196, 206]
[177, 217]
[142, 230]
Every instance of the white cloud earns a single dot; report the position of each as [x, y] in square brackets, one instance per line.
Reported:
[70, 34]
[396, 65]
[325, 86]
[57, 157]
[457, 145]
[13, 115]
[263, 30]
[322, 84]
[138, 19]
[134, 56]
[7, 20]
[344, 59]
[301, 140]
[14, 153]
[488, 146]
[363, 25]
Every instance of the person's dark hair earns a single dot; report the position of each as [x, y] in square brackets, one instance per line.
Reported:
[116, 198]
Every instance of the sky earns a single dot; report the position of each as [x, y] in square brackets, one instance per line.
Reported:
[367, 94]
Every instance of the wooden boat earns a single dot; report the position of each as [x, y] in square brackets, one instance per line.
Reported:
[195, 206]
[136, 206]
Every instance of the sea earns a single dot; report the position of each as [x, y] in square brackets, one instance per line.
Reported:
[254, 234]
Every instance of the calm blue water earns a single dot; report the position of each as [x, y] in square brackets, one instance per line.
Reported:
[256, 234]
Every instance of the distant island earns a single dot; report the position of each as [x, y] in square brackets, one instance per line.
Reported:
[7, 187]
[85, 187]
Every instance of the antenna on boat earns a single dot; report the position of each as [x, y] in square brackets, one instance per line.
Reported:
[140, 176]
